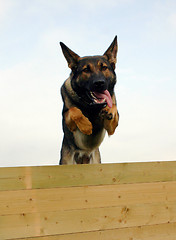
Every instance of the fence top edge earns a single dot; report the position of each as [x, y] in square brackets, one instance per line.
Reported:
[43, 177]
[92, 165]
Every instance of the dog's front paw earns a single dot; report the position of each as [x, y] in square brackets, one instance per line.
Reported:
[84, 125]
[75, 118]
[110, 118]
[106, 114]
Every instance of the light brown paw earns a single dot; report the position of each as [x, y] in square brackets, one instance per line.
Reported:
[82, 122]
[110, 117]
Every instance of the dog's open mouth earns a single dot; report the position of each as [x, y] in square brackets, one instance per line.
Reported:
[103, 97]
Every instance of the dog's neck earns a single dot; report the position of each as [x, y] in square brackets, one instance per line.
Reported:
[70, 90]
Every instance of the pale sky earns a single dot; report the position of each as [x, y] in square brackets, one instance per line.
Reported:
[32, 70]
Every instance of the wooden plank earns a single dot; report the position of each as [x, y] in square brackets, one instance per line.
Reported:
[85, 175]
[14, 178]
[154, 232]
[47, 200]
[74, 221]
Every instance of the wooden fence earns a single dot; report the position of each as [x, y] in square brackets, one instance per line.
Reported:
[132, 201]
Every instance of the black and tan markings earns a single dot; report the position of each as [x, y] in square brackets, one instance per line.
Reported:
[89, 105]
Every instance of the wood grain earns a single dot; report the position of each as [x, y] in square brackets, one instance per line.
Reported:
[133, 201]
[85, 175]
[154, 232]
[55, 199]
[84, 220]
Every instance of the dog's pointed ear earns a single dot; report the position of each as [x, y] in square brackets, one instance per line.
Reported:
[71, 57]
[111, 52]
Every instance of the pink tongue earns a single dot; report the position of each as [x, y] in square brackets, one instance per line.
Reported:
[104, 95]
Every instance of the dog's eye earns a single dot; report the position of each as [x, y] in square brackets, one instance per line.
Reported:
[86, 69]
[103, 67]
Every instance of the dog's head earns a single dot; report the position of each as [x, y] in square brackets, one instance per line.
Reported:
[93, 77]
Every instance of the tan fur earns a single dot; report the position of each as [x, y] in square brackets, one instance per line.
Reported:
[74, 118]
[111, 124]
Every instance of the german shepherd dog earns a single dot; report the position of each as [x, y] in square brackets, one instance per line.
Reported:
[89, 105]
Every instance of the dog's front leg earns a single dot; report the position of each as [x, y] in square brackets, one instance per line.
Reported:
[74, 119]
[110, 117]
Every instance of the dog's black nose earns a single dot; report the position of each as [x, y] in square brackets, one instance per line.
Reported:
[99, 85]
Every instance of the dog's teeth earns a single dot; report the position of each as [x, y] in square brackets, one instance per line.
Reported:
[96, 100]
[92, 95]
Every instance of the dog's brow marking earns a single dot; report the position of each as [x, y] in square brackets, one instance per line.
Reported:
[99, 63]
[92, 66]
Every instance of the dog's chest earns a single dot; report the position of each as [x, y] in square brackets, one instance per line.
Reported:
[88, 142]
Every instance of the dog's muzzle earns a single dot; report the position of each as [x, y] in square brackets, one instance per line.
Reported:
[99, 94]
